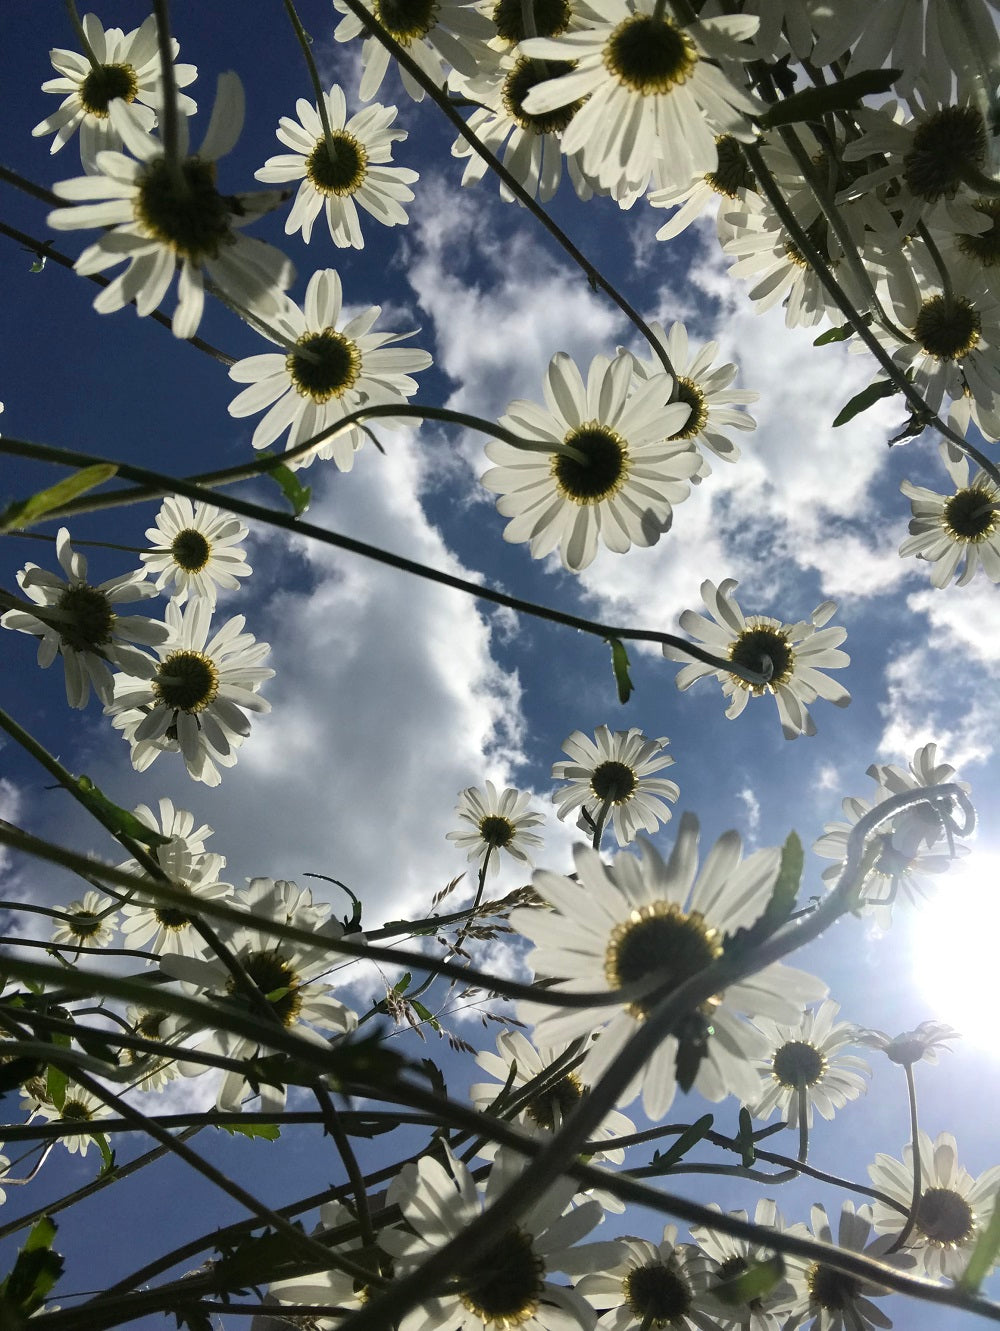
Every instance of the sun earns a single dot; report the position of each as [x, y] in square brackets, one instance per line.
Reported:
[955, 948]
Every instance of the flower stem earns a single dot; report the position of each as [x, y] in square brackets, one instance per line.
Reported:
[917, 1192]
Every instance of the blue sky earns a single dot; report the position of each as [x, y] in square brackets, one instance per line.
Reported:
[391, 695]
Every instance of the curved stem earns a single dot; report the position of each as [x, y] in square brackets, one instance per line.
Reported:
[305, 42]
[917, 1192]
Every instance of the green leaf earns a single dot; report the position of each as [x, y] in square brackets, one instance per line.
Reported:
[403, 983]
[23, 512]
[298, 495]
[269, 1132]
[866, 398]
[746, 1286]
[36, 1270]
[115, 818]
[38, 263]
[619, 664]
[984, 1254]
[688, 1139]
[56, 1082]
[425, 1015]
[786, 885]
[107, 1154]
[744, 1139]
[814, 103]
[191, 1316]
[840, 334]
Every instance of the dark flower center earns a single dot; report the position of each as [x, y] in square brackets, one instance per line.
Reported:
[984, 246]
[149, 1025]
[190, 550]
[186, 681]
[272, 974]
[324, 365]
[691, 395]
[732, 1266]
[407, 19]
[817, 232]
[550, 1108]
[84, 924]
[732, 173]
[551, 18]
[506, 1292]
[89, 629]
[525, 75]
[765, 650]
[831, 1289]
[947, 332]
[172, 919]
[613, 781]
[798, 1064]
[656, 1294]
[948, 143]
[496, 830]
[189, 215]
[650, 55]
[605, 469]
[103, 84]
[971, 515]
[338, 167]
[660, 940]
[944, 1218]
[75, 1109]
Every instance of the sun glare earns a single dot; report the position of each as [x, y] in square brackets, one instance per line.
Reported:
[955, 948]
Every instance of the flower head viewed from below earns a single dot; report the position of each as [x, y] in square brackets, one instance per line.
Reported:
[162, 214]
[332, 366]
[960, 531]
[612, 774]
[340, 174]
[790, 657]
[663, 1284]
[806, 1067]
[649, 924]
[196, 547]
[603, 467]
[499, 822]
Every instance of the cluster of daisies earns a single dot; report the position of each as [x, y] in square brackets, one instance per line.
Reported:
[180, 684]
[639, 102]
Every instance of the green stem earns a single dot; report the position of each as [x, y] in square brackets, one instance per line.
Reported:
[917, 1191]
[81, 34]
[305, 41]
[169, 129]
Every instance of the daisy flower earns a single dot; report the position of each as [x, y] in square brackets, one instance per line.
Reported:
[196, 700]
[517, 1063]
[325, 372]
[354, 173]
[912, 1046]
[86, 924]
[152, 1073]
[904, 849]
[953, 1209]
[956, 533]
[333, 1286]
[648, 82]
[828, 1299]
[603, 467]
[172, 823]
[125, 69]
[499, 822]
[79, 1106]
[196, 547]
[731, 179]
[612, 773]
[162, 928]
[80, 623]
[529, 146]
[790, 656]
[732, 1257]
[508, 1285]
[286, 973]
[806, 1067]
[652, 1285]
[643, 919]
[435, 34]
[706, 391]
[162, 214]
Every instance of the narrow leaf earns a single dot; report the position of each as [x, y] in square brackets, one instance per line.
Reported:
[688, 1139]
[425, 1015]
[866, 398]
[23, 512]
[115, 818]
[984, 1254]
[36, 1270]
[107, 1155]
[840, 334]
[297, 494]
[270, 1132]
[745, 1139]
[814, 103]
[619, 664]
[56, 1082]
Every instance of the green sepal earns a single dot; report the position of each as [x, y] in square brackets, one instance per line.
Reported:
[23, 512]
[844, 95]
[866, 398]
[619, 664]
